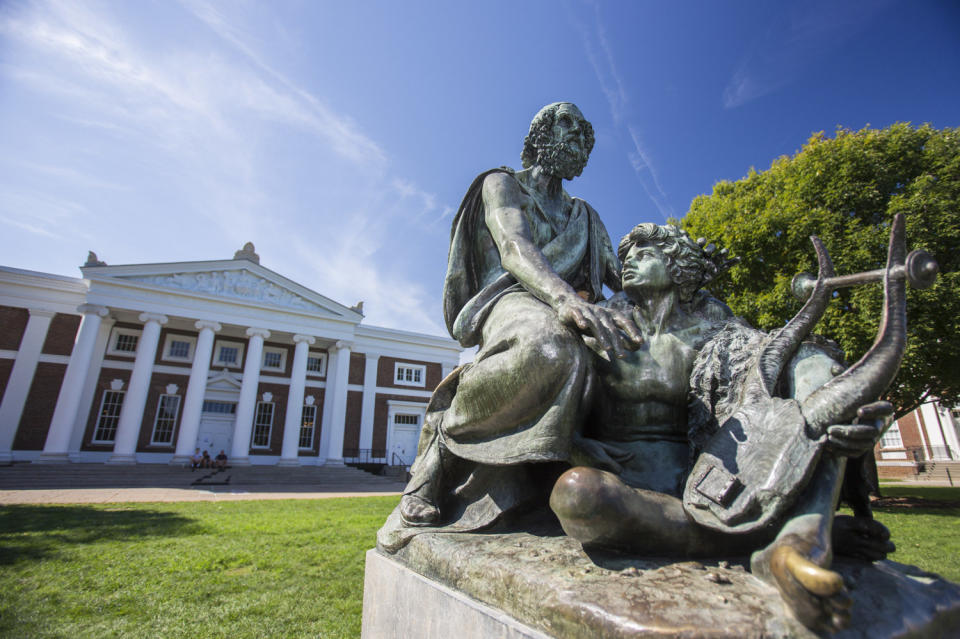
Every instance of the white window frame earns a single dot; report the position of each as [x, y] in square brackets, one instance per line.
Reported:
[98, 426]
[220, 343]
[322, 356]
[168, 344]
[115, 335]
[173, 420]
[892, 438]
[283, 359]
[307, 408]
[256, 416]
[399, 374]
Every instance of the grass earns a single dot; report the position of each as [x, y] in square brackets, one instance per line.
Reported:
[198, 569]
[264, 568]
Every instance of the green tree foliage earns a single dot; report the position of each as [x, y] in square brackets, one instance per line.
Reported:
[846, 190]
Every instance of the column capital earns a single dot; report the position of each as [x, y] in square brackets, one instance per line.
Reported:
[41, 312]
[343, 345]
[259, 332]
[202, 324]
[372, 355]
[93, 309]
[153, 317]
[309, 339]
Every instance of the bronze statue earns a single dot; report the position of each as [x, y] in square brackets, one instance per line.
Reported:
[527, 262]
[655, 422]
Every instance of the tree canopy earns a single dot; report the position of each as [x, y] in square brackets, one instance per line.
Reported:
[846, 190]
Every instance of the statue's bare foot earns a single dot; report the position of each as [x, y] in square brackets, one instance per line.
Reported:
[861, 537]
[417, 511]
[816, 595]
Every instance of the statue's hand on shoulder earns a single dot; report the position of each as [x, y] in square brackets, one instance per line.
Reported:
[610, 329]
[853, 440]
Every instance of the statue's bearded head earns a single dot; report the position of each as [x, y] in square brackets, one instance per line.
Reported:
[560, 141]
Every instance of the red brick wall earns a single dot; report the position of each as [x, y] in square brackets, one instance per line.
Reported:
[61, 334]
[894, 472]
[158, 387]
[351, 432]
[910, 430]
[6, 366]
[103, 384]
[38, 411]
[358, 366]
[380, 415]
[385, 370]
[13, 322]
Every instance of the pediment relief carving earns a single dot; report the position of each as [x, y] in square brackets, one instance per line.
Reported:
[238, 284]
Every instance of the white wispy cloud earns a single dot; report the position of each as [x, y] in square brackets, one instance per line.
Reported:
[210, 111]
[794, 40]
[599, 52]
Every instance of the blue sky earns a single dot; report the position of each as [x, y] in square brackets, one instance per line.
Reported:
[340, 136]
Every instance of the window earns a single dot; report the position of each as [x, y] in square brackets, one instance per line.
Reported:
[307, 426]
[411, 420]
[274, 359]
[123, 341]
[220, 408]
[109, 416]
[410, 374]
[891, 438]
[228, 354]
[166, 419]
[179, 348]
[262, 425]
[316, 364]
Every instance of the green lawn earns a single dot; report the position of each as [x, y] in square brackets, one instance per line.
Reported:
[260, 568]
[196, 569]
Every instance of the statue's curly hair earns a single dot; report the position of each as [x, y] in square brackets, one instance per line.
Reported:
[541, 131]
[689, 267]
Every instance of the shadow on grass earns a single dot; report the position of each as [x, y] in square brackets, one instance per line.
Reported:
[35, 532]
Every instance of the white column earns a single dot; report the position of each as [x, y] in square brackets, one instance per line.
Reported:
[196, 389]
[338, 399]
[89, 388]
[369, 400]
[56, 448]
[246, 407]
[21, 377]
[298, 380]
[131, 414]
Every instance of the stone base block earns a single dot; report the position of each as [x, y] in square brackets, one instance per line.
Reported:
[461, 586]
[398, 604]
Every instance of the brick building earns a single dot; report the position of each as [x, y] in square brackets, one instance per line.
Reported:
[143, 363]
[919, 441]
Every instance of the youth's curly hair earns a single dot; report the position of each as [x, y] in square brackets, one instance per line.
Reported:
[541, 132]
[689, 267]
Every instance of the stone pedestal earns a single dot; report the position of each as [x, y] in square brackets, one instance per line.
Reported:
[528, 585]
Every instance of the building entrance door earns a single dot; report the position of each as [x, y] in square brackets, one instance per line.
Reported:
[403, 444]
[216, 427]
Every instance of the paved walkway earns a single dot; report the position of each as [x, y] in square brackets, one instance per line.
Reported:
[97, 483]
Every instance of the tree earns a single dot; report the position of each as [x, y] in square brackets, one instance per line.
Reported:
[846, 190]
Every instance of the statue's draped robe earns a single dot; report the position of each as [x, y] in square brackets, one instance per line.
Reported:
[528, 387]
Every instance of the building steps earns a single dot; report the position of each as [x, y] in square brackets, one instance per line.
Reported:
[26, 476]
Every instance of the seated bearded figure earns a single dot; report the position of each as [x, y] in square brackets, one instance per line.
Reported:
[656, 409]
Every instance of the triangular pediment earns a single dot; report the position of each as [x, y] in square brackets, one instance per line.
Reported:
[227, 279]
[223, 381]
[236, 283]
